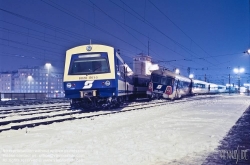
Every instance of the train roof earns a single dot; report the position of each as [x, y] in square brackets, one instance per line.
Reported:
[207, 83]
[92, 45]
[170, 74]
[200, 82]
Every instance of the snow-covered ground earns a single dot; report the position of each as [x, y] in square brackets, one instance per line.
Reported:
[182, 133]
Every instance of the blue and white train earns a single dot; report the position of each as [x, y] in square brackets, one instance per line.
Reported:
[95, 76]
[167, 84]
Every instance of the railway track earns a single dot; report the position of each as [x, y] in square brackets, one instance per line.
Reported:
[13, 119]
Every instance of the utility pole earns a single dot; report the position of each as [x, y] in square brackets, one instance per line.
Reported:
[148, 47]
[188, 70]
[239, 79]
[229, 83]
[205, 78]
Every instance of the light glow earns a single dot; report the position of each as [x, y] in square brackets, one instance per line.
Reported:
[177, 71]
[248, 51]
[191, 76]
[239, 70]
[29, 77]
[48, 65]
[153, 67]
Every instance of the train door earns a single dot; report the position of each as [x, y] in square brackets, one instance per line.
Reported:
[125, 80]
[190, 87]
[177, 89]
[121, 76]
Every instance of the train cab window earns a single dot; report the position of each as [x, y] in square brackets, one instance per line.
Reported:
[170, 81]
[89, 64]
[156, 79]
[164, 81]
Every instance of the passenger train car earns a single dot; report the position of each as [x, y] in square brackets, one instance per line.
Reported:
[200, 87]
[96, 76]
[166, 84]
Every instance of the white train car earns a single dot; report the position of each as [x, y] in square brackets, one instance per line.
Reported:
[200, 87]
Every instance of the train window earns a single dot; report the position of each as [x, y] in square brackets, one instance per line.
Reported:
[197, 85]
[117, 64]
[89, 64]
[169, 81]
[163, 81]
[180, 85]
[187, 84]
[156, 79]
[120, 67]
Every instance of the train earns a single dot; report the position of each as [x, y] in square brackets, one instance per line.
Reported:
[169, 85]
[95, 76]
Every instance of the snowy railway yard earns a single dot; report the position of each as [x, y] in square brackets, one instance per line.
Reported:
[203, 130]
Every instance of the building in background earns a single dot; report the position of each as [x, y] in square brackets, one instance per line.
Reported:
[6, 81]
[33, 80]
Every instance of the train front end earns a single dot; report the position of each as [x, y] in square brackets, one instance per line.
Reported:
[89, 76]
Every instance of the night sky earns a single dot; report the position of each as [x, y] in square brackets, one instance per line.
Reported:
[209, 36]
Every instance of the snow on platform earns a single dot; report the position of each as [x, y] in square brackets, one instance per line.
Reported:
[181, 133]
[32, 106]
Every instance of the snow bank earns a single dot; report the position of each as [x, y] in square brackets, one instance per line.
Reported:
[182, 133]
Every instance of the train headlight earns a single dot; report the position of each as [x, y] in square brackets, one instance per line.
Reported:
[69, 85]
[107, 83]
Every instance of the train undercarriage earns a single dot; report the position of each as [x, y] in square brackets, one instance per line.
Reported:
[91, 103]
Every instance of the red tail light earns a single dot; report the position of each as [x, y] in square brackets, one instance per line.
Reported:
[168, 90]
[150, 87]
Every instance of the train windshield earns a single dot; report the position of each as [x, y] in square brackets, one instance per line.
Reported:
[89, 64]
[162, 80]
[167, 81]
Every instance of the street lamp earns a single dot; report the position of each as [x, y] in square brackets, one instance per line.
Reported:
[177, 71]
[56, 93]
[29, 79]
[238, 71]
[247, 51]
[191, 76]
[48, 65]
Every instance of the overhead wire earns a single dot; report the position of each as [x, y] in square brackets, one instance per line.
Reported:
[60, 8]
[194, 57]
[155, 28]
[178, 27]
[117, 21]
[30, 36]
[47, 35]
